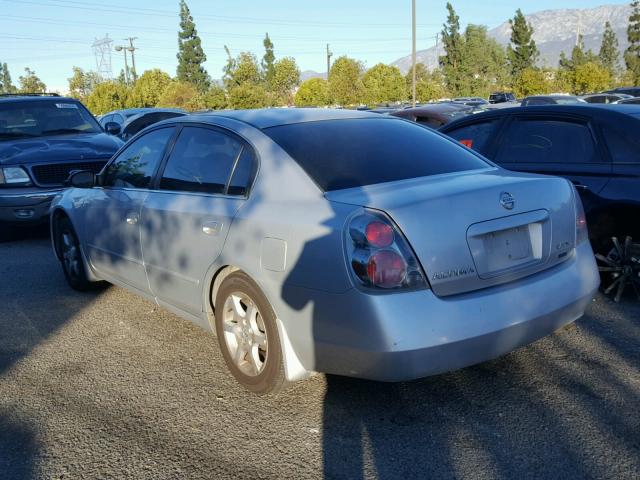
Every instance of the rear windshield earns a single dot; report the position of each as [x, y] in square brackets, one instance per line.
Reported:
[348, 153]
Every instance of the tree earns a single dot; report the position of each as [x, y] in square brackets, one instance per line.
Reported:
[284, 78]
[383, 83]
[632, 54]
[532, 81]
[107, 96]
[421, 74]
[31, 83]
[345, 84]
[431, 87]
[590, 77]
[148, 88]
[609, 53]
[5, 80]
[241, 69]
[524, 52]
[215, 98]
[178, 94]
[248, 95]
[190, 54]
[451, 63]
[313, 92]
[485, 61]
[579, 56]
[82, 83]
[268, 60]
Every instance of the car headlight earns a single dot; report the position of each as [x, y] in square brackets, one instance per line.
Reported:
[14, 176]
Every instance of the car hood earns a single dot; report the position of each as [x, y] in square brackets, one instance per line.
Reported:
[58, 148]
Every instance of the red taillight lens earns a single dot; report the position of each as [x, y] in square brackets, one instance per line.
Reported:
[379, 234]
[386, 269]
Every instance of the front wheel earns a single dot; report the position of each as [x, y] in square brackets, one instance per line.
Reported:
[68, 249]
[248, 335]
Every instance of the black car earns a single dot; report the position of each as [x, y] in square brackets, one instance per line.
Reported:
[550, 100]
[633, 91]
[502, 97]
[596, 147]
[42, 139]
[605, 97]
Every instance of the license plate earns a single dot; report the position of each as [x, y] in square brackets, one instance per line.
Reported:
[507, 247]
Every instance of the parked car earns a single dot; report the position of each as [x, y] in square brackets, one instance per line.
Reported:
[596, 147]
[330, 240]
[605, 97]
[550, 100]
[434, 115]
[471, 101]
[633, 91]
[629, 101]
[502, 97]
[122, 116]
[42, 139]
[135, 123]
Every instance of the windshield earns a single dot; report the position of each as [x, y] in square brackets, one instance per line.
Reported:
[44, 118]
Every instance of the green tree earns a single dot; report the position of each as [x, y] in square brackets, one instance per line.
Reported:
[345, 83]
[107, 96]
[5, 80]
[421, 74]
[485, 61]
[524, 53]
[215, 98]
[191, 57]
[285, 78]
[383, 83]
[31, 83]
[632, 53]
[81, 83]
[178, 94]
[452, 62]
[268, 60]
[148, 88]
[532, 81]
[580, 56]
[609, 52]
[248, 95]
[590, 77]
[431, 87]
[241, 69]
[313, 92]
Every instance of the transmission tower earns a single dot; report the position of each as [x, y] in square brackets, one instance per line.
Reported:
[102, 52]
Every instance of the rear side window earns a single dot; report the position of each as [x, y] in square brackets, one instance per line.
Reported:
[476, 136]
[624, 145]
[201, 161]
[546, 141]
[347, 153]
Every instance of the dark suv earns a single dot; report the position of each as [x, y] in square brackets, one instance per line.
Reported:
[42, 139]
[502, 97]
[596, 147]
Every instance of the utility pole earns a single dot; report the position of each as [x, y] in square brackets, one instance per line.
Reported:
[132, 49]
[437, 62]
[413, 50]
[578, 31]
[126, 66]
[329, 55]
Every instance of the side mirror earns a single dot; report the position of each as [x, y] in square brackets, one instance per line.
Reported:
[112, 128]
[82, 179]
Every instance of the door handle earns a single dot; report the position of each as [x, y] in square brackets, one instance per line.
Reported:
[579, 185]
[132, 219]
[211, 228]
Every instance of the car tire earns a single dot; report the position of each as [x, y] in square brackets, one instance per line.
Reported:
[68, 250]
[248, 335]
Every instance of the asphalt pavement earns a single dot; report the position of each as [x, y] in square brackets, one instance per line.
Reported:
[107, 385]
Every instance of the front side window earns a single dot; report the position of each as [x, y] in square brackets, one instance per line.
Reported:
[476, 136]
[135, 165]
[202, 161]
[546, 141]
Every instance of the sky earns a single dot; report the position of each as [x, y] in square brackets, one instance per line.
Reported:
[52, 36]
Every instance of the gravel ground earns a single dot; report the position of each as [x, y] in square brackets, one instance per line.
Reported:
[106, 385]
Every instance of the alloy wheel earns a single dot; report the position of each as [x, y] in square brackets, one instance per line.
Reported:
[623, 264]
[70, 254]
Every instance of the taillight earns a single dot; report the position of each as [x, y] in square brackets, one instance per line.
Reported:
[582, 232]
[379, 255]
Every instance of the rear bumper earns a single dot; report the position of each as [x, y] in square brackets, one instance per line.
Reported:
[405, 336]
[26, 205]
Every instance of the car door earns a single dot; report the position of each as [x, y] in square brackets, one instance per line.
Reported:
[186, 219]
[113, 210]
[553, 144]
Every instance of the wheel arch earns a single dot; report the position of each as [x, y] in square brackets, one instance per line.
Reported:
[614, 219]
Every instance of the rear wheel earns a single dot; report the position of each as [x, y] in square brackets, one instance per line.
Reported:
[248, 335]
[70, 256]
[620, 268]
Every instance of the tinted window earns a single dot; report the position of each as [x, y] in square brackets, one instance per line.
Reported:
[623, 143]
[475, 136]
[546, 141]
[352, 152]
[134, 167]
[429, 122]
[201, 161]
[242, 174]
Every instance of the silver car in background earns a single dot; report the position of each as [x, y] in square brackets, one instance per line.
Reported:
[332, 241]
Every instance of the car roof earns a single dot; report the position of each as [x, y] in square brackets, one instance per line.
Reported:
[589, 109]
[35, 98]
[272, 117]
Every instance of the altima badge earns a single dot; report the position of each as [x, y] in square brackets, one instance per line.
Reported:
[507, 200]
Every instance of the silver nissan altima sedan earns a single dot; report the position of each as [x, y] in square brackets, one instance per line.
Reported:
[330, 241]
